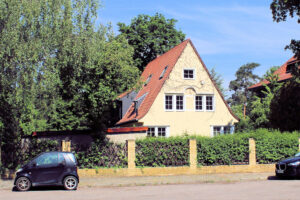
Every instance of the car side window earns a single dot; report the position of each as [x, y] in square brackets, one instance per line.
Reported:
[47, 159]
[61, 158]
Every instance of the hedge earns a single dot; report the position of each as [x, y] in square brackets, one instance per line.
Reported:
[272, 146]
[154, 152]
[101, 154]
[223, 150]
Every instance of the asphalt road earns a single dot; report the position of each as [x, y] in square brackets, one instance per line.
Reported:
[255, 189]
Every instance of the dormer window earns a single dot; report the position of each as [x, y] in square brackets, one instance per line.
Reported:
[188, 73]
[148, 79]
[163, 72]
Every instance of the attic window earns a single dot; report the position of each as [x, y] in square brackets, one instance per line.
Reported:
[188, 74]
[163, 72]
[148, 79]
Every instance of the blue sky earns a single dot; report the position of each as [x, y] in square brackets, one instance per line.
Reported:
[227, 34]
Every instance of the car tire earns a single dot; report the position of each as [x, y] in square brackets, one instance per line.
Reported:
[23, 184]
[70, 183]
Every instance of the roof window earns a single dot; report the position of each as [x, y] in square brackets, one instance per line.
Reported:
[163, 72]
[148, 79]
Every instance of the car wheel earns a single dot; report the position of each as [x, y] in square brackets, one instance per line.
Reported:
[70, 183]
[23, 184]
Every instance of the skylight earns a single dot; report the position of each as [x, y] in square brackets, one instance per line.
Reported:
[148, 79]
[163, 72]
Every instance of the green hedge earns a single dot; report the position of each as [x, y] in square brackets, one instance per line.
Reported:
[272, 146]
[101, 154]
[153, 152]
[223, 150]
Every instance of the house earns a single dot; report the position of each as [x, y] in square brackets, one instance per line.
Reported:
[178, 97]
[284, 74]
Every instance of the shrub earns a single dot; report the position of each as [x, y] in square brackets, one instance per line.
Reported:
[101, 154]
[153, 152]
[223, 150]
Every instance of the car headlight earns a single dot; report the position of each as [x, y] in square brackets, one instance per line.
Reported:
[19, 170]
[294, 163]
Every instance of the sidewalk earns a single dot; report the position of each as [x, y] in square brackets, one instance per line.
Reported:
[89, 182]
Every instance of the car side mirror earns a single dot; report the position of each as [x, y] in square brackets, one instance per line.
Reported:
[63, 163]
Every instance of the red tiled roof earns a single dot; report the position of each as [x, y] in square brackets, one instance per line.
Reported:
[152, 89]
[282, 75]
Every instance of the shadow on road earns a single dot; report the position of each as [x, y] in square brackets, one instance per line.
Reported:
[272, 178]
[44, 188]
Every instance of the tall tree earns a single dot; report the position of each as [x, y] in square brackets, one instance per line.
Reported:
[218, 80]
[150, 36]
[281, 9]
[244, 79]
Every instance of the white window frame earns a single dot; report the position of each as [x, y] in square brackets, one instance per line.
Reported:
[174, 103]
[167, 128]
[204, 102]
[194, 74]
[213, 103]
[222, 129]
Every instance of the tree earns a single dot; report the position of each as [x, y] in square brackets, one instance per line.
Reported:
[244, 79]
[218, 80]
[281, 9]
[57, 71]
[285, 107]
[260, 106]
[150, 36]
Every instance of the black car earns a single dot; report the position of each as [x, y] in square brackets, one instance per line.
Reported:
[48, 169]
[289, 167]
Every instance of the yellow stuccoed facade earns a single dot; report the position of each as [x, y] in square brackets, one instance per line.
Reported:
[188, 121]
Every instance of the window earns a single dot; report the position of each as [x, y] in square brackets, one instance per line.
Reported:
[188, 73]
[217, 130]
[148, 79]
[161, 132]
[226, 129]
[179, 102]
[47, 159]
[169, 102]
[174, 102]
[199, 102]
[151, 132]
[158, 131]
[220, 130]
[163, 73]
[209, 103]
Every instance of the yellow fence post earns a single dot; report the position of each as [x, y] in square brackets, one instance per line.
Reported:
[193, 153]
[131, 154]
[65, 145]
[252, 152]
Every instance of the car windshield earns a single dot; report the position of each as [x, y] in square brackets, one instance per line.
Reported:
[297, 154]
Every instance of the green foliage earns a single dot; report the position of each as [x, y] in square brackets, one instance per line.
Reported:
[150, 36]
[244, 124]
[244, 79]
[218, 80]
[101, 154]
[285, 107]
[260, 106]
[223, 150]
[272, 146]
[154, 152]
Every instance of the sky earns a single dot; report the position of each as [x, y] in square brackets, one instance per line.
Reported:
[227, 34]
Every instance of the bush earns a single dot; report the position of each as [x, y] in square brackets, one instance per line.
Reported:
[272, 146]
[223, 150]
[101, 154]
[153, 152]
